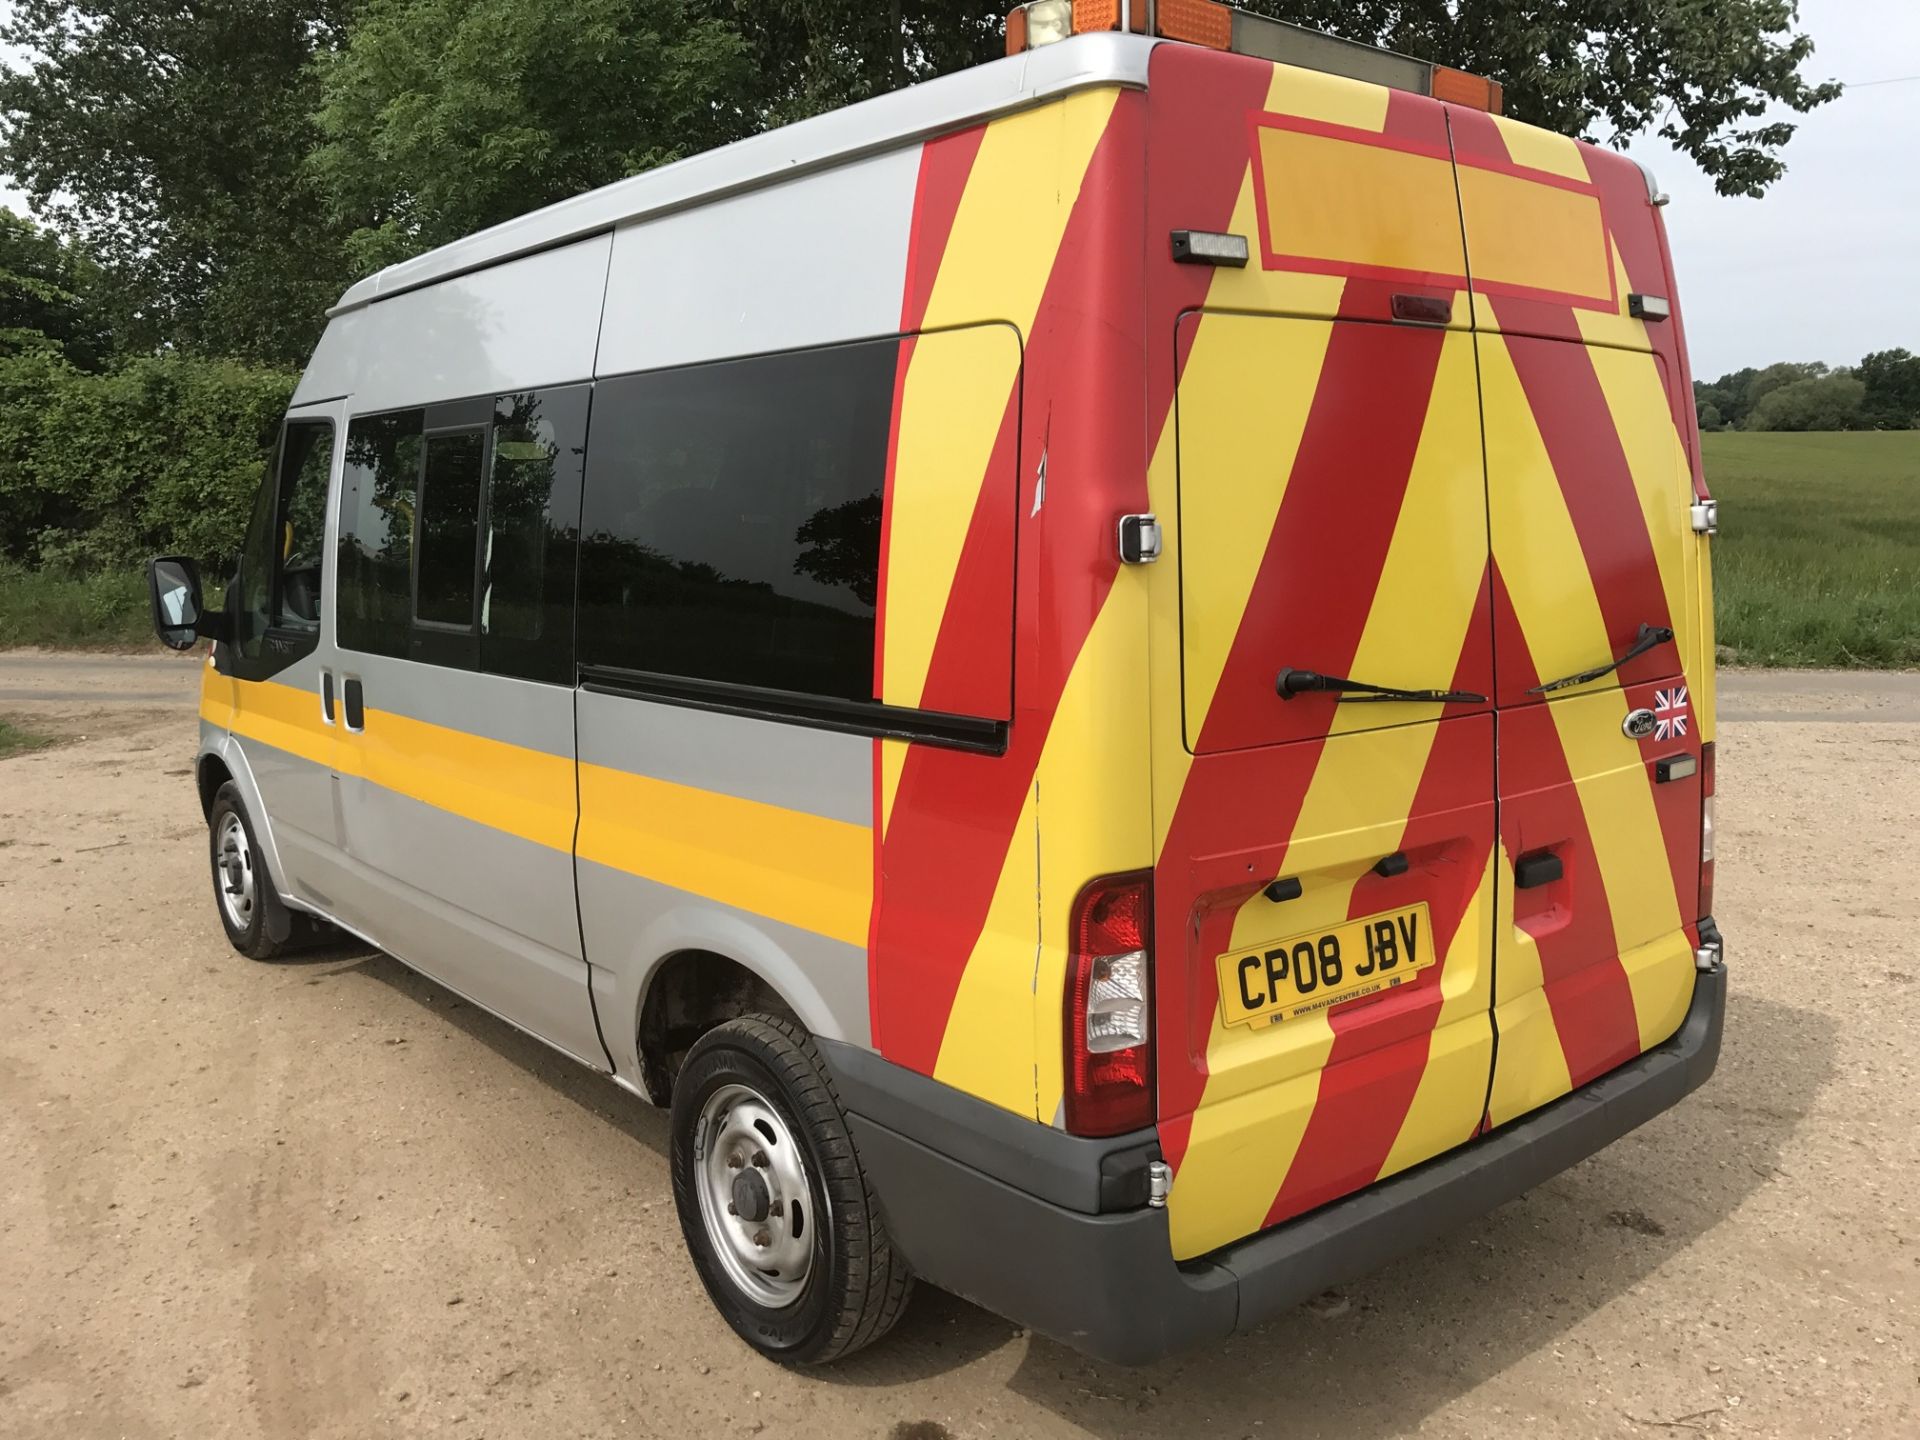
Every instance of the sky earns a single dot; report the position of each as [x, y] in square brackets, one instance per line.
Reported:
[1822, 267]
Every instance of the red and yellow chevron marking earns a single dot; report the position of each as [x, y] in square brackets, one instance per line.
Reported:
[954, 943]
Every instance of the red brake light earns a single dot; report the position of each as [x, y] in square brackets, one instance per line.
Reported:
[1109, 1008]
[1706, 830]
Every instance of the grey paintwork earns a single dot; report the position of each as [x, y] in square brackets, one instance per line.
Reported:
[530, 323]
[819, 772]
[887, 122]
[634, 925]
[808, 262]
[728, 253]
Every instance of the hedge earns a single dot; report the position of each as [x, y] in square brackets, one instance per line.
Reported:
[164, 454]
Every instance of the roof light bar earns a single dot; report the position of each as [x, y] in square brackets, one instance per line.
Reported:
[1222, 27]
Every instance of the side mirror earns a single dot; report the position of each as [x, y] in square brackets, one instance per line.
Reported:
[173, 584]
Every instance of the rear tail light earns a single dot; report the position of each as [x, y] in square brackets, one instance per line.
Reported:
[1706, 830]
[1109, 1008]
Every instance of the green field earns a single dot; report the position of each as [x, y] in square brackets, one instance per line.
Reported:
[1818, 557]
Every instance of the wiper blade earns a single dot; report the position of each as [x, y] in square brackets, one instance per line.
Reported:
[1648, 637]
[1300, 682]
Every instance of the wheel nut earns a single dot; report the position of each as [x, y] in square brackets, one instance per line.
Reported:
[732, 1209]
[733, 1162]
[762, 1238]
[760, 1159]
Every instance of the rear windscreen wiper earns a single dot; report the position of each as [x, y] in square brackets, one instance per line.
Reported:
[1299, 682]
[1648, 637]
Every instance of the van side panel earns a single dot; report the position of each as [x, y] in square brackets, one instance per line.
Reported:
[811, 262]
[1033, 221]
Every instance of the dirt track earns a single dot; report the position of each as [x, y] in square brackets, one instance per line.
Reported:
[327, 1198]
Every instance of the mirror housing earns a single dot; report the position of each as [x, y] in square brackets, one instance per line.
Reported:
[180, 615]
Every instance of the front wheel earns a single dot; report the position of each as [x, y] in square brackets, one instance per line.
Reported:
[787, 1237]
[242, 887]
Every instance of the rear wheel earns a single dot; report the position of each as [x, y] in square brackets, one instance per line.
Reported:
[242, 889]
[787, 1237]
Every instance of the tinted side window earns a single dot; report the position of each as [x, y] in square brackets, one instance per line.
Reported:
[732, 520]
[532, 537]
[305, 466]
[375, 602]
[449, 529]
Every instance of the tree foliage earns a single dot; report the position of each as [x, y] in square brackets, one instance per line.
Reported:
[232, 164]
[1892, 381]
[171, 139]
[1705, 75]
[101, 471]
[47, 296]
[440, 117]
[1819, 402]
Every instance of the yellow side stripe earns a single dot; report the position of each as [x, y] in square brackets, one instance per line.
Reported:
[803, 870]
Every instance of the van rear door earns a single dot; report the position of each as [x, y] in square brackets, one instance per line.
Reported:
[1589, 483]
[1323, 900]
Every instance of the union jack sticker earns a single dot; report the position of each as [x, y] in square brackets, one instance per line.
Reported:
[1670, 713]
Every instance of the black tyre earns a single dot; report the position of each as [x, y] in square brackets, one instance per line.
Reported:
[784, 1231]
[243, 891]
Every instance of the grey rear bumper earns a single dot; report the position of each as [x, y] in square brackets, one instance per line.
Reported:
[1009, 1214]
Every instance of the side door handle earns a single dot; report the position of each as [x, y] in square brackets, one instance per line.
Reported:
[355, 703]
[326, 695]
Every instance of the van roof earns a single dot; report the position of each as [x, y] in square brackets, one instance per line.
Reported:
[882, 123]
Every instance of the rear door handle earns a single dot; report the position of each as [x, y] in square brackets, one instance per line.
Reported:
[1541, 868]
[355, 704]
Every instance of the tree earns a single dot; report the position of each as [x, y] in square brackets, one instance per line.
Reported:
[1777, 377]
[1820, 402]
[440, 117]
[171, 138]
[1709, 417]
[46, 296]
[1892, 380]
[1701, 74]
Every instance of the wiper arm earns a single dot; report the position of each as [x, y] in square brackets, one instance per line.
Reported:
[1648, 637]
[1299, 682]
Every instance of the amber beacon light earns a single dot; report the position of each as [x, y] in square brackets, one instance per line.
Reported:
[1222, 27]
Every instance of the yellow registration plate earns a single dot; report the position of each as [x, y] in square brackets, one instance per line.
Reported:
[1268, 983]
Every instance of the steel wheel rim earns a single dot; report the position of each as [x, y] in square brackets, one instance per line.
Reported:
[741, 1148]
[233, 871]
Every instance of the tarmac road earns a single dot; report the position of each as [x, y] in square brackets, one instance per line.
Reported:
[326, 1198]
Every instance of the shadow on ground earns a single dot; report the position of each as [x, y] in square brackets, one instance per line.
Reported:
[1389, 1350]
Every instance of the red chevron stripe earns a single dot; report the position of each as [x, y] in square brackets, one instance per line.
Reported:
[1381, 1043]
[1586, 985]
[1595, 480]
[945, 165]
[954, 813]
[1318, 576]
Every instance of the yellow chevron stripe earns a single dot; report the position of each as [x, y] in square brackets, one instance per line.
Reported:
[1532, 1066]
[1417, 622]
[1538, 551]
[1446, 1105]
[1263, 1084]
[998, 257]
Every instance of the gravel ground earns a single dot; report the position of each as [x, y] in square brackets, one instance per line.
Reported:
[327, 1198]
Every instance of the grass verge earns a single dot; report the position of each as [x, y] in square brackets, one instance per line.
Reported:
[48, 607]
[1818, 557]
[15, 740]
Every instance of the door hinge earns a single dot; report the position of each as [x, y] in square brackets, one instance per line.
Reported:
[1139, 539]
[1159, 1182]
[1706, 517]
